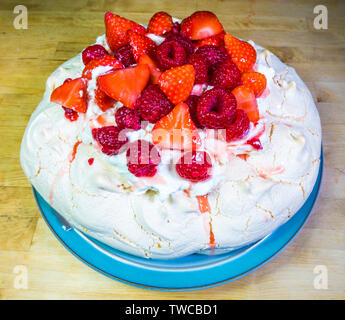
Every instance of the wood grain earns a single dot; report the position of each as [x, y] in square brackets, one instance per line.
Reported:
[60, 29]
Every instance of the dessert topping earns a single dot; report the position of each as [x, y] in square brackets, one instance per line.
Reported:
[177, 83]
[141, 44]
[104, 61]
[116, 30]
[95, 51]
[241, 52]
[153, 104]
[71, 94]
[216, 108]
[111, 139]
[195, 166]
[160, 23]
[125, 55]
[103, 101]
[125, 85]
[246, 101]
[201, 25]
[127, 118]
[255, 80]
[142, 158]
[240, 128]
[176, 130]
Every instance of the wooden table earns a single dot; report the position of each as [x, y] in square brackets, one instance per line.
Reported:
[57, 30]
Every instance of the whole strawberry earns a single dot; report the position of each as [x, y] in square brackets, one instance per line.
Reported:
[201, 25]
[116, 30]
[160, 23]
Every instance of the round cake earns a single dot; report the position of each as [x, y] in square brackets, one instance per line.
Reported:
[173, 139]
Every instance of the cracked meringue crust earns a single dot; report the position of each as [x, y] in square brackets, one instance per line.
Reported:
[248, 196]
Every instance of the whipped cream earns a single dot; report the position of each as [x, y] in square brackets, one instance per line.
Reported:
[250, 193]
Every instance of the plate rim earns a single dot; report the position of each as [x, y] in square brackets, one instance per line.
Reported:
[192, 288]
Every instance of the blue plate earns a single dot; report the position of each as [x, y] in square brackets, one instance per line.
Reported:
[188, 273]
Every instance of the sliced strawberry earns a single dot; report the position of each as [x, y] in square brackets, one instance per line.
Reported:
[155, 72]
[125, 85]
[103, 101]
[176, 130]
[255, 80]
[116, 30]
[106, 60]
[201, 25]
[246, 101]
[177, 83]
[241, 52]
[160, 23]
[71, 94]
[217, 40]
[140, 44]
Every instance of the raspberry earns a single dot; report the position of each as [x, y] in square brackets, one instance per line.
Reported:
[125, 55]
[142, 158]
[194, 166]
[192, 103]
[110, 138]
[176, 28]
[185, 42]
[170, 54]
[127, 118]
[217, 108]
[93, 52]
[240, 128]
[226, 75]
[70, 114]
[201, 68]
[213, 54]
[153, 104]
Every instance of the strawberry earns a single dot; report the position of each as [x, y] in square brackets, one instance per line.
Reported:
[140, 44]
[255, 80]
[155, 72]
[106, 60]
[116, 30]
[217, 40]
[176, 130]
[125, 85]
[71, 94]
[177, 83]
[201, 25]
[160, 23]
[246, 101]
[103, 101]
[241, 52]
